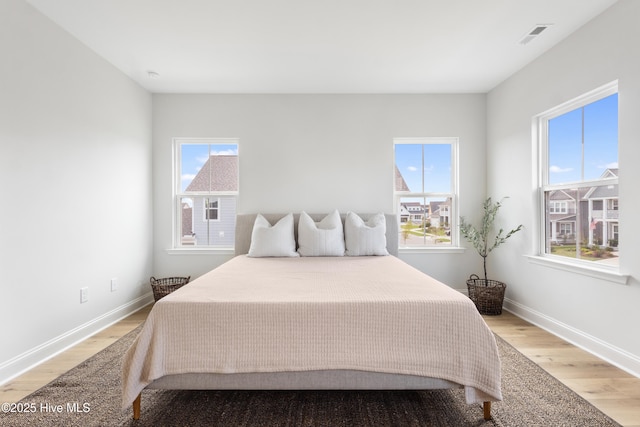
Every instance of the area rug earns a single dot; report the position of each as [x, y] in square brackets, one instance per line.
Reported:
[90, 395]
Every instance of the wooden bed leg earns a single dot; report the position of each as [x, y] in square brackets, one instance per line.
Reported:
[486, 406]
[136, 407]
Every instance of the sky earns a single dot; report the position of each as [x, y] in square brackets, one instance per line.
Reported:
[435, 163]
[600, 142]
[194, 156]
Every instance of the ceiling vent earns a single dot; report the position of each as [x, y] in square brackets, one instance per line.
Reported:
[535, 32]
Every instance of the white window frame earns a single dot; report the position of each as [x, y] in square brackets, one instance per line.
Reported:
[564, 225]
[207, 208]
[540, 134]
[559, 207]
[177, 247]
[453, 214]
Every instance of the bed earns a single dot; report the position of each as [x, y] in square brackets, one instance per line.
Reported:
[364, 322]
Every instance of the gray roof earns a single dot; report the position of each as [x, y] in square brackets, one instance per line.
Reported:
[604, 192]
[401, 185]
[219, 173]
[562, 195]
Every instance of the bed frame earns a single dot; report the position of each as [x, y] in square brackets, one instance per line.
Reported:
[307, 380]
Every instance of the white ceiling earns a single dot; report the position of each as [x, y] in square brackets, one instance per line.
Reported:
[319, 46]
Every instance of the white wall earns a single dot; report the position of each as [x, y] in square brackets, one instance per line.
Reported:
[75, 177]
[317, 153]
[597, 314]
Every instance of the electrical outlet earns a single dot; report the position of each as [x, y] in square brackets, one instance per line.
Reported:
[84, 295]
[114, 284]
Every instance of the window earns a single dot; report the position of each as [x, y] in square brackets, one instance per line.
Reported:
[206, 191]
[211, 209]
[558, 207]
[579, 179]
[425, 190]
[566, 229]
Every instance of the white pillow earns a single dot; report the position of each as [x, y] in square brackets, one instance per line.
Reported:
[365, 238]
[273, 241]
[324, 238]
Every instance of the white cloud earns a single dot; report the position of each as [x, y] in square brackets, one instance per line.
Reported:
[558, 169]
[412, 168]
[228, 152]
[187, 176]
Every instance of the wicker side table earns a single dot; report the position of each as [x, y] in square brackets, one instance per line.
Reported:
[164, 286]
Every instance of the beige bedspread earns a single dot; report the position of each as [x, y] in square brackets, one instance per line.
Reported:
[316, 313]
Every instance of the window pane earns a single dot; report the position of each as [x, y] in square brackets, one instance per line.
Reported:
[209, 167]
[565, 148]
[423, 168]
[409, 165]
[597, 125]
[187, 236]
[600, 137]
[581, 219]
[192, 157]
[437, 168]
[425, 221]
[207, 194]
[213, 226]
[588, 228]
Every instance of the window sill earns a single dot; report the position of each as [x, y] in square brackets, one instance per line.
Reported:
[598, 273]
[432, 250]
[200, 251]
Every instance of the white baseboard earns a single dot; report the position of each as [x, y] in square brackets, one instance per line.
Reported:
[610, 353]
[31, 358]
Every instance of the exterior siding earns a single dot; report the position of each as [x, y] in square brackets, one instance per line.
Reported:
[220, 232]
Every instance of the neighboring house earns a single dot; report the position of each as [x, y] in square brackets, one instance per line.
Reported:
[562, 216]
[211, 220]
[403, 214]
[437, 213]
[593, 210]
[440, 213]
[603, 212]
[416, 210]
[188, 236]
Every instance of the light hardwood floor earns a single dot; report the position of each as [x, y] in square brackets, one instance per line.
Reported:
[610, 389]
[49, 370]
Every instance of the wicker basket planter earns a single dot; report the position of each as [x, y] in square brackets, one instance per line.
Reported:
[164, 286]
[487, 295]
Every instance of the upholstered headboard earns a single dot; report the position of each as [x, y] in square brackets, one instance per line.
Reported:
[244, 227]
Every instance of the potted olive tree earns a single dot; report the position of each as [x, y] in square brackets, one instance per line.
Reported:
[486, 294]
